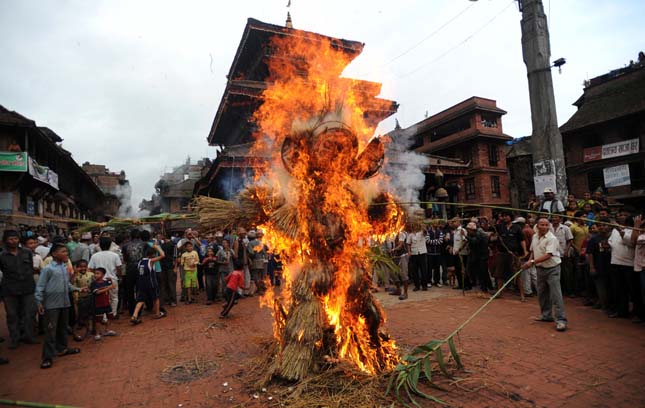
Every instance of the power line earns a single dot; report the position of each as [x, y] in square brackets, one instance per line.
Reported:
[432, 34]
[425, 64]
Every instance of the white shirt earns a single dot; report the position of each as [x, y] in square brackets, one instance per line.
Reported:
[546, 244]
[622, 251]
[563, 234]
[417, 242]
[38, 262]
[639, 254]
[558, 207]
[108, 260]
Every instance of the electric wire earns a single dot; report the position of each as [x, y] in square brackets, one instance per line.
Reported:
[428, 63]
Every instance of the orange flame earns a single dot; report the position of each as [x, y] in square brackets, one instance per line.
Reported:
[313, 123]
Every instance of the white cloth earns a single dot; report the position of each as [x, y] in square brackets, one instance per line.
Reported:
[459, 242]
[563, 234]
[42, 250]
[108, 260]
[417, 242]
[622, 251]
[546, 244]
[38, 262]
[639, 254]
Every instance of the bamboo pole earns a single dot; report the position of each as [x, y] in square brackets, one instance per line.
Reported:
[31, 404]
[496, 207]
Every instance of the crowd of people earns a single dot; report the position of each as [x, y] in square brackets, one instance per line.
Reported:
[77, 285]
[578, 250]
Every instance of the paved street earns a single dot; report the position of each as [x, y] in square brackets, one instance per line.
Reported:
[512, 360]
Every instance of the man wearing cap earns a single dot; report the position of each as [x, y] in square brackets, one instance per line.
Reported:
[551, 204]
[545, 256]
[18, 289]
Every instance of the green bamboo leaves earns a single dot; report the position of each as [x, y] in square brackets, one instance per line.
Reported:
[382, 264]
[404, 380]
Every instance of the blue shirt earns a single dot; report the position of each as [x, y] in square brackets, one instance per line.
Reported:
[52, 290]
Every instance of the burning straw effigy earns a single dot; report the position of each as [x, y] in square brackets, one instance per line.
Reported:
[312, 201]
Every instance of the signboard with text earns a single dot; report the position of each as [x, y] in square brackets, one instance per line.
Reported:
[43, 173]
[610, 150]
[13, 161]
[617, 176]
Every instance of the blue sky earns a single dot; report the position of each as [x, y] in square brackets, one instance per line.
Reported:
[135, 85]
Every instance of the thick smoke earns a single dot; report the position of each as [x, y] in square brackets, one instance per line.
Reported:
[124, 193]
[404, 166]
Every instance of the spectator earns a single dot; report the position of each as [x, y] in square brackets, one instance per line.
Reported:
[511, 246]
[18, 286]
[211, 272]
[478, 257]
[189, 261]
[638, 240]
[102, 288]
[225, 257]
[434, 242]
[460, 252]
[43, 247]
[132, 254]
[565, 239]
[234, 287]
[111, 262]
[148, 285]
[622, 265]
[52, 297]
[551, 204]
[83, 300]
[580, 234]
[418, 266]
[599, 259]
[545, 256]
[257, 255]
[168, 284]
[82, 249]
[2, 359]
[529, 276]
[401, 255]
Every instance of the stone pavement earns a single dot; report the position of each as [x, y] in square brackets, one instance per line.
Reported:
[511, 360]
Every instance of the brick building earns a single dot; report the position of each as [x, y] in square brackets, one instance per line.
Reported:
[115, 186]
[41, 185]
[470, 131]
[603, 141]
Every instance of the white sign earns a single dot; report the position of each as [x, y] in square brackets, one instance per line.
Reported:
[544, 176]
[43, 173]
[617, 176]
[622, 148]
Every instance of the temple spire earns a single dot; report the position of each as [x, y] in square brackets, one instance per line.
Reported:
[289, 23]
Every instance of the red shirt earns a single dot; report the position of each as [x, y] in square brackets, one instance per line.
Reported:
[234, 280]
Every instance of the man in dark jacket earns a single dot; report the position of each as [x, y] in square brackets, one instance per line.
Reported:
[478, 257]
[18, 288]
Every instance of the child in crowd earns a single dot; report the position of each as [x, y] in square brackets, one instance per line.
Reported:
[101, 287]
[234, 287]
[52, 297]
[147, 285]
[211, 269]
[189, 261]
[83, 300]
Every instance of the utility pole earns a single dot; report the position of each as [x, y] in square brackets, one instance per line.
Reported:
[549, 169]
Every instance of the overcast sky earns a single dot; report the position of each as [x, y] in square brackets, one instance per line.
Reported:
[135, 84]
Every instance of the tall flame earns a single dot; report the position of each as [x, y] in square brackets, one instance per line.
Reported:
[313, 124]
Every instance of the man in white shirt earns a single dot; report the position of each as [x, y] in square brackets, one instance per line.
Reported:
[111, 262]
[545, 256]
[622, 266]
[460, 252]
[565, 239]
[418, 266]
[551, 204]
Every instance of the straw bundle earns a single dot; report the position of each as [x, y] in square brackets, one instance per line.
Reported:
[285, 218]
